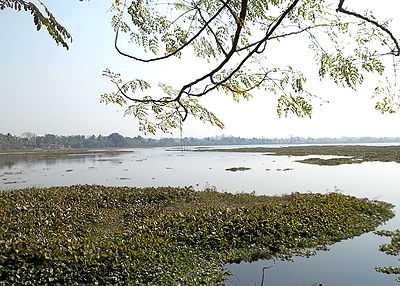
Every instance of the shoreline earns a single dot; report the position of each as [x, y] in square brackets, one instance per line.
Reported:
[64, 152]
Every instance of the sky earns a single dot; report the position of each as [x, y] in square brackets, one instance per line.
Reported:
[47, 89]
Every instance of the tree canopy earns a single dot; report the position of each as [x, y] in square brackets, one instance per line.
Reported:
[237, 39]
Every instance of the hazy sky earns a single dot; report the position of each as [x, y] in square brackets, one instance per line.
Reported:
[46, 89]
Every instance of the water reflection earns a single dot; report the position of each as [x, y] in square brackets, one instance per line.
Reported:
[6, 163]
[350, 262]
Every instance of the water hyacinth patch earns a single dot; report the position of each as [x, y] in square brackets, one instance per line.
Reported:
[163, 236]
[391, 248]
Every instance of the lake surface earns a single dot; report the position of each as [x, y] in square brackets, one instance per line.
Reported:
[349, 262]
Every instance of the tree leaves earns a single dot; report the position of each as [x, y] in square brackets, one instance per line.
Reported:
[342, 70]
[387, 105]
[41, 19]
[154, 115]
[293, 104]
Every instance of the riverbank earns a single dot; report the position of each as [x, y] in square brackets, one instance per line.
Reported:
[345, 154]
[60, 153]
[164, 236]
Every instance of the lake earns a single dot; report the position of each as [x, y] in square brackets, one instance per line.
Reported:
[349, 262]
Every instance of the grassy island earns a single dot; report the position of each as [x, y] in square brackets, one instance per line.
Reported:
[346, 154]
[237, 169]
[96, 235]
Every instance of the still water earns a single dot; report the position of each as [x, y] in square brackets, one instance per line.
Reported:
[349, 262]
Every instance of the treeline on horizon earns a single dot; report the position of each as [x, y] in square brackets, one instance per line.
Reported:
[115, 140]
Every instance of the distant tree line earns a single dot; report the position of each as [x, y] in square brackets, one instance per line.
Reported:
[50, 141]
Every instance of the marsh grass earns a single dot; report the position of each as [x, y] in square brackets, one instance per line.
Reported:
[349, 154]
[331, 161]
[82, 235]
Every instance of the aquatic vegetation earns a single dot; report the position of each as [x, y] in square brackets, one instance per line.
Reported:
[10, 183]
[350, 154]
[163, 236]
[392, 248]
[112, 160]
[236, 169]
[330, 162]
[287, 169]
[12, 173]
[7, 182]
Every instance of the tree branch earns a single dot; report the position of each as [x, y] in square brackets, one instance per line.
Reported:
[220, 46]
[252, 52]
[284, 35]
[340, 9]
[177, 50]
[235, 41]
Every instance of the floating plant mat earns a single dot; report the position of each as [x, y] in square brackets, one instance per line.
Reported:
[391, 248]
[163, 236]
[238, 169]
